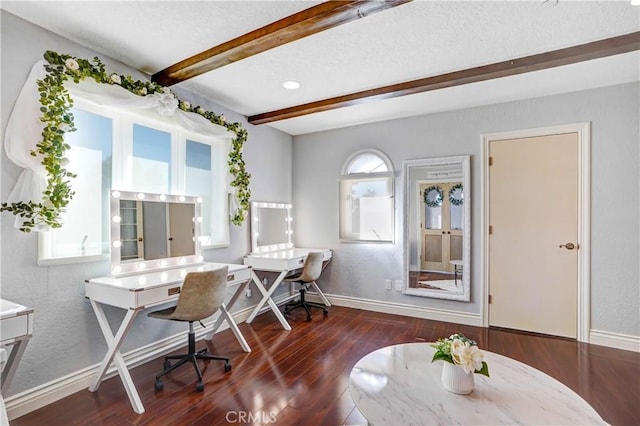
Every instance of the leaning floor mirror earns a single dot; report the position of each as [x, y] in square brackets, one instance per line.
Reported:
[437, 223]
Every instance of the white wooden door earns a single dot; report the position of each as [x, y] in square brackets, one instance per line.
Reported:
[533, 211]
[181, 231]
[441, 226]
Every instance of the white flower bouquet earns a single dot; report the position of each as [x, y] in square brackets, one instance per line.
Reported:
[459, 350]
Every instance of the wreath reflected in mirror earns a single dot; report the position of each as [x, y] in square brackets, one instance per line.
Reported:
[456, 195]
[433, 196]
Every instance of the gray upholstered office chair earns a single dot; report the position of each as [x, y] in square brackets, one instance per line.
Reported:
[310, 272]
[201, 296]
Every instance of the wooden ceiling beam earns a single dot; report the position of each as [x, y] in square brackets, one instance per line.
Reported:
[570, 55]
[294, 27]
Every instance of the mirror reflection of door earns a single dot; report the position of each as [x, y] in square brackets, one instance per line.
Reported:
[441, 227]
[180, 237]
[131, 234]
[154, 217]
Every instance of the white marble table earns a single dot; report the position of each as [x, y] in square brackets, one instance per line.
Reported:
[399, 385]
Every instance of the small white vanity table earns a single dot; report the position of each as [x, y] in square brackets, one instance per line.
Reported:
[16, 328]
[140, 283]
[273, 251]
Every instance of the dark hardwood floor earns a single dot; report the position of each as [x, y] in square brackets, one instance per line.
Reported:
[301, 377]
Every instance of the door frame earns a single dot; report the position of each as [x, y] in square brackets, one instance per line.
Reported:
[584, 216]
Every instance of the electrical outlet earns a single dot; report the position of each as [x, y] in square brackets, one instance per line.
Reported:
[398, 285]
[387, 284]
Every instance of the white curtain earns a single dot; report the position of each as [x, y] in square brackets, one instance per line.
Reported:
[24, 128]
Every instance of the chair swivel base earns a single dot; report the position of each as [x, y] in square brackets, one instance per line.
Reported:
[191, 357]
[302, 303]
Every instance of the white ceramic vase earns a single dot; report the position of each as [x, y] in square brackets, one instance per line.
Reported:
[455, 380]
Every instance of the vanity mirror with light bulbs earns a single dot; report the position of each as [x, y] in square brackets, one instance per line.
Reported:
[153, 231]
[270, 227]
[437, 227]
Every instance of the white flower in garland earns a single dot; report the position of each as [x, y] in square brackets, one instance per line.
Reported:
[186, 105]
[116, 78]
[166, 103]
[143, 91]
[72, 64]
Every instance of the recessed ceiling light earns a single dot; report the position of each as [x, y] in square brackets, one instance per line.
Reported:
[291, 85]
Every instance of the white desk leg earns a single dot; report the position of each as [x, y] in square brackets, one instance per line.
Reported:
[225, 315]
[12, 364]
[320, 293]
[113, 351]
[266, 298]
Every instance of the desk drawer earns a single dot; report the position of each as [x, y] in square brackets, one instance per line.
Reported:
[238, 276]
[13, 327]
[165, 293]
[171, 292]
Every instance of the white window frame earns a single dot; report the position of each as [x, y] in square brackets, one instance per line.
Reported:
[347, 180]
[122, 179]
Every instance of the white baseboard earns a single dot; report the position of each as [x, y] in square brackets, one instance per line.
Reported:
[615, 340]
[402, 309]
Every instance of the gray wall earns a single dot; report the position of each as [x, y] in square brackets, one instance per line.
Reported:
[66, 334]
[359, 270]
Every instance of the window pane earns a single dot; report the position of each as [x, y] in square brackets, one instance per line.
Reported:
[198, 179]
[457, 209]
[151, 160]
[367, 210]
[432, 217]
[85, 229]
[367, 163]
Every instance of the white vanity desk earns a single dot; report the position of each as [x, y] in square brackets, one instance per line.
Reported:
[283, 261]
[16, 328]
[272, 251]
[137, 292]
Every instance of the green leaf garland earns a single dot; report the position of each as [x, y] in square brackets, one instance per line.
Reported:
[56, 104]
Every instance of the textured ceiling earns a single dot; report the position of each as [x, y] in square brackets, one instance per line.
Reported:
[415, 40]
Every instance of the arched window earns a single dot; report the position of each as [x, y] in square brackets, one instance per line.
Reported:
[366, 198]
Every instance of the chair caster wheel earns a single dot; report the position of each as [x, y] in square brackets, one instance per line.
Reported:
[309, 319]
[200, 387]
[325, 312]
[159, 386]
[166, 365]
[227, 367]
